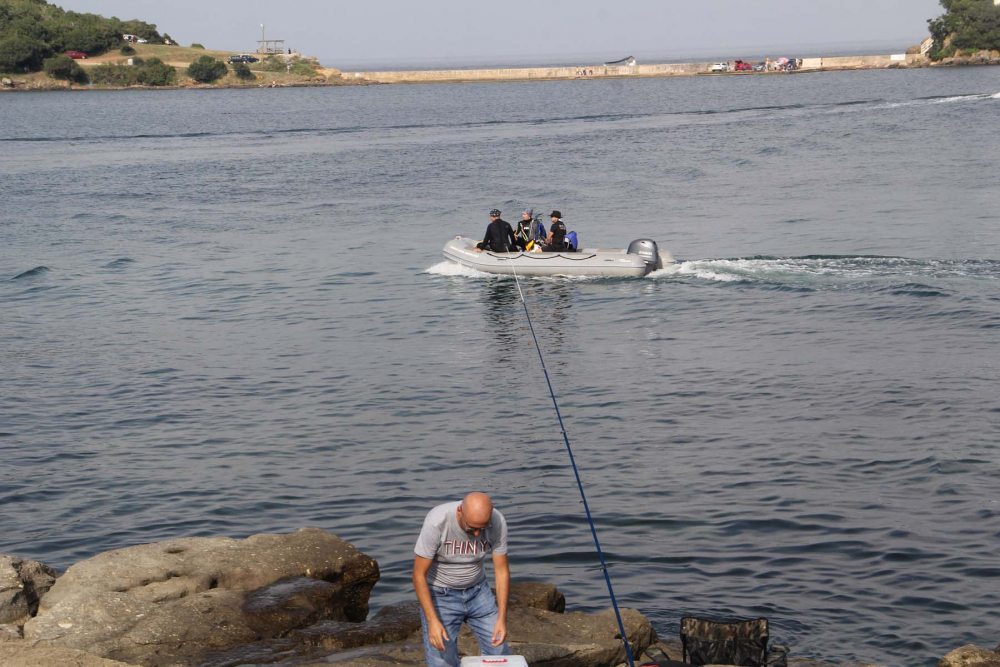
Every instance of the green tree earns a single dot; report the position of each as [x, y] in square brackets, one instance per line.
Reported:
[127, 50]
[65, 68]
[242, 71]
[970, 25]
[207, 69]
[17, 52]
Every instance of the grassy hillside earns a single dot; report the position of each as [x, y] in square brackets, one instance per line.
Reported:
[32, 30]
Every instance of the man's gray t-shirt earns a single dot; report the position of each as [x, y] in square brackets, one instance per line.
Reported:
[458, 557]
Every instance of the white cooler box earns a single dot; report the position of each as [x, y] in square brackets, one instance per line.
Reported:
[494, 661]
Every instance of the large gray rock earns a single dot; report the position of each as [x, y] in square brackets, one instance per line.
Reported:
[970, 656]
[7, 83]
[163, 603]
[22, 584]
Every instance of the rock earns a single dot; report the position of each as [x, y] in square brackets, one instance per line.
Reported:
[295, 602]
[9, 633]
[38, 656]
[970, 656]
[7, 82]
[22, 584]
[391, 624]
[537, 594]
[167, 602]
[393, 637]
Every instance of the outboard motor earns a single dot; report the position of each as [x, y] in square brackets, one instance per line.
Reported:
[647, 249]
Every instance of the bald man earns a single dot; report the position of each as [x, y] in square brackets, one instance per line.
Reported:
[450, 579]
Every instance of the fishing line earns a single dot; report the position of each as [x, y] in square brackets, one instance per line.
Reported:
[572, 460]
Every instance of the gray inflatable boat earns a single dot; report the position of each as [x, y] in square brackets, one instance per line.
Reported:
[642, 257]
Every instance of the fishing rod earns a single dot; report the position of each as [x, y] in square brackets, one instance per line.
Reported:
[572, 460]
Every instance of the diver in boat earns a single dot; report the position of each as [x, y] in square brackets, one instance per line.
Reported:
[527, 230]
[556, 241]
[499, 235]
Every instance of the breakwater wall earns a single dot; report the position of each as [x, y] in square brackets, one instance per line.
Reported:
[634, 71]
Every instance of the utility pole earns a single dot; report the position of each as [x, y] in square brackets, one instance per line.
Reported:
[262, 45]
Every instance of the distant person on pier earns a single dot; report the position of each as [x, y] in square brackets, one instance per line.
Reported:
[556, 241]
[499, 235]
[450, 579]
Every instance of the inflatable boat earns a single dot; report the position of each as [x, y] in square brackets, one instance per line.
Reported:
[642, 257]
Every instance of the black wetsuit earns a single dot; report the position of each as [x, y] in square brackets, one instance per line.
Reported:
[499, 237]
[558, 244]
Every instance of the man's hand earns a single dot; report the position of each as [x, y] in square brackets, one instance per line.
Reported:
[499, 632]
[478, 250]
[438, 635]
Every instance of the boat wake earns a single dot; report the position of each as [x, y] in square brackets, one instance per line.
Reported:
[825, 271]
[453, 270]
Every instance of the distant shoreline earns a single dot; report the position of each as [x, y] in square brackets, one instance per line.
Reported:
[327, 78]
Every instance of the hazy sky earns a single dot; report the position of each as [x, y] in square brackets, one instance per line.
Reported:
[341, 31]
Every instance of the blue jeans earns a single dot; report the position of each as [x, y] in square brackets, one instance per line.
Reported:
[477, 607]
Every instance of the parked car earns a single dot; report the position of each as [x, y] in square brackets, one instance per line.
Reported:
[720, 67]
[140, 40]
[741, 66]
[759, 67]
[76, 55]
[243, 58]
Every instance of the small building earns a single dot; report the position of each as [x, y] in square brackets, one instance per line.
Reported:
[270, 47]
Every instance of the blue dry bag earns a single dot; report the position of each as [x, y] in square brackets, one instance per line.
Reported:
[571, 240]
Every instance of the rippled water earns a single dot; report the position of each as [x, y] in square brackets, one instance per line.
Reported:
[226, 312]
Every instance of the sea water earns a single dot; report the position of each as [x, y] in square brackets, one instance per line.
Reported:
[227, 312]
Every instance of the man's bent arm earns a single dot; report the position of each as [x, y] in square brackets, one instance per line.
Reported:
[420, 567]
[501, 568]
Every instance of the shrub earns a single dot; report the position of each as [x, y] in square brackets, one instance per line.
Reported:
[127, 50]
[242, 71]
[298, 66]
[155, 72]
[207, 69]
[17, 52]
[152, 72]
[196, 45]
[113, 75]
[65, 68]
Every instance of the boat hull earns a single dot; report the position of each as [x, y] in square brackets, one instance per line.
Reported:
[585, 262]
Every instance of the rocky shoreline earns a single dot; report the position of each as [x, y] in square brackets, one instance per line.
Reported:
[298, 600]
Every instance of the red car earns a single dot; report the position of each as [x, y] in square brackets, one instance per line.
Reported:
[76, 55]
[741, 66]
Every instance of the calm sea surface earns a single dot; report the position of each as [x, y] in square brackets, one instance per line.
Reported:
[226, 312]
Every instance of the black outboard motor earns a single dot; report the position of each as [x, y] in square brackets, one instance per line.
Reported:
[647, 249]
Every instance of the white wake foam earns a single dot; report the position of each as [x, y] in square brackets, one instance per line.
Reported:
[452, 269]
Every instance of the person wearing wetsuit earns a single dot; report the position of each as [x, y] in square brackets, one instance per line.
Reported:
[499, 235]
[556, 242]
[523, 232]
